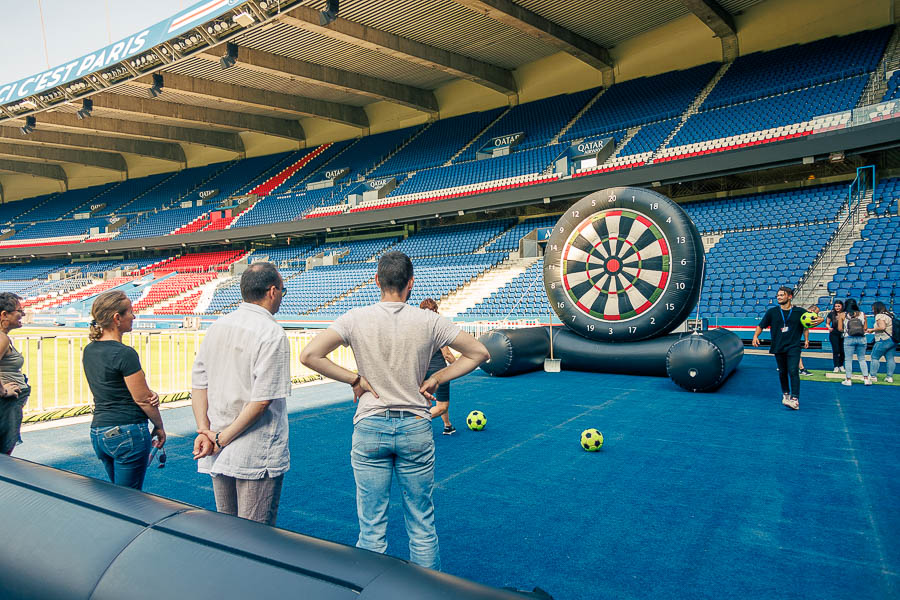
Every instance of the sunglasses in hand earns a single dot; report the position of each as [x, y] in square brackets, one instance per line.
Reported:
[162, 457]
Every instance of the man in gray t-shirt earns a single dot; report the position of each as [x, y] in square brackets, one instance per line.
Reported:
[393, 343]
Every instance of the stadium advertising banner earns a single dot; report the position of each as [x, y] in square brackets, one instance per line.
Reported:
[117, 52]
[499, 145]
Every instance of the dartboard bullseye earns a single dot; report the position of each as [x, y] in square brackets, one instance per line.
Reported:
[623, 264]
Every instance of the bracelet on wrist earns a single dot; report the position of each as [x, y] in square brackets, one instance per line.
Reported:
[356, 381]
[217, 439]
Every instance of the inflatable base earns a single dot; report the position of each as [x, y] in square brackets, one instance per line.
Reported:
[695, 361]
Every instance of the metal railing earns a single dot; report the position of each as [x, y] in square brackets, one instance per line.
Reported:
[54, 368]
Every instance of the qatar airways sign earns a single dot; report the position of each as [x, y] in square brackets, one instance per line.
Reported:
[116, 52]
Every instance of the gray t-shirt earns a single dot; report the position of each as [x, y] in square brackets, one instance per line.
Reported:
[393, 343]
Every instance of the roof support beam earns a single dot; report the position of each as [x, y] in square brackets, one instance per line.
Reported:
[238, 121]
[214, 139]
[337, 79]
[713, 16]
[147, 148]
[36, 169]
[101, 160]
[538, 27]
[239, 95]
[457, 65]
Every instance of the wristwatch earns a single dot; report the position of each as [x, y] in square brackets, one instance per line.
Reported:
[356, 381]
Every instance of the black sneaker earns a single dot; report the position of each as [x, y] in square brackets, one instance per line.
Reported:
[805, 372]
[449, 430]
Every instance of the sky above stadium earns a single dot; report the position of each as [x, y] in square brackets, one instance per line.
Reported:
[73, 28]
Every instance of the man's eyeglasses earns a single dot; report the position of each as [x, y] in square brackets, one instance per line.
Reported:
[283, 291]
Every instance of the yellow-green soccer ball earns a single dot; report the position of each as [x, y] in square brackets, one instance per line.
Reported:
[591, 440]
[807, 318]
[476, 420]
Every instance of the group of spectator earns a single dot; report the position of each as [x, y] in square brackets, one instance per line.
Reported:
[847, 331]
[240, 383]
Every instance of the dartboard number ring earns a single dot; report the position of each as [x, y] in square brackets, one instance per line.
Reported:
[623, 265]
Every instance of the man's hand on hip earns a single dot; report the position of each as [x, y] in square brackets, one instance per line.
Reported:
[429, 387]
[361, 388]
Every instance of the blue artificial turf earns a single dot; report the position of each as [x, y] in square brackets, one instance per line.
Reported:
[692, 496]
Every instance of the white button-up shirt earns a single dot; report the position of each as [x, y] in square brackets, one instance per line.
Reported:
[245, 357]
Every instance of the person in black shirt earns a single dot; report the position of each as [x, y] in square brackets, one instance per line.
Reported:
[122, 399]
[836, 335]
[440, 359]
[784, 322]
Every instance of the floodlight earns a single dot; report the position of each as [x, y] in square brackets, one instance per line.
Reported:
[87, 105]
[30, 124]
[327, 16]
[231, 54]
[244, 19]
[156, 88]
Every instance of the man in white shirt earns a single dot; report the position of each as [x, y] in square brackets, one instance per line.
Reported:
[393, 342]
[239, 387]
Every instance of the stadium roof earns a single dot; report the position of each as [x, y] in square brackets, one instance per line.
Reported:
[292, 74]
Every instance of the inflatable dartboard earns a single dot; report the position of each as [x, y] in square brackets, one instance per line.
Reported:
[623, 264]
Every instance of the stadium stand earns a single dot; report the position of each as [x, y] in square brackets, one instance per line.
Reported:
[128, 190]
[762, 74]
[522, 298]
[540, 121]
[642, 101]
[873, 267]
[170, 286]
[437, 143]
[768, 210]
[163, 222]
[745, 268]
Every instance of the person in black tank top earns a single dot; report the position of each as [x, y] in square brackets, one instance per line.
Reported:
[440, 359]
[14, 389]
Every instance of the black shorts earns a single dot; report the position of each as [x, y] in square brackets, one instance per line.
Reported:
[443, 391]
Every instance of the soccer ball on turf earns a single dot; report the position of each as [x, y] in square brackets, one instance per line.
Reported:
[807, 318]
[476, 420]
[591, 440]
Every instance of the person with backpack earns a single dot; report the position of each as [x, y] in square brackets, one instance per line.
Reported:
[887, 332]
[853, 322]
[836, 336]
[787, 330]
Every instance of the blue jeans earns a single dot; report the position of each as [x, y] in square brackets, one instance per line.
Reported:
[124, 451]
[855, 344]
[383, 447]
[888, 349]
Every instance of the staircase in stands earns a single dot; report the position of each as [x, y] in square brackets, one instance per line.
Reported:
[186, 303]
[85, 292]
[694, 108]
[577, 116]
[815, 284]
[875, 88]
[481, 287]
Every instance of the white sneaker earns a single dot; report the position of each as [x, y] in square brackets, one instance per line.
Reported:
[889, 380]
[842, 369]
[846, 382]
[867, 381]
[837, 370]
[791, 403]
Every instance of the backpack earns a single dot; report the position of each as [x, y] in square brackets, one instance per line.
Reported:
[854, 326]
[895, 328]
